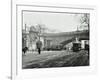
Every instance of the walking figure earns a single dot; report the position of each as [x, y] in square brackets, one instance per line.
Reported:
[25, 49]
[39, 46]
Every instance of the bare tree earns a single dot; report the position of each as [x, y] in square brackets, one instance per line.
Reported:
[85, 19]
[40, 28]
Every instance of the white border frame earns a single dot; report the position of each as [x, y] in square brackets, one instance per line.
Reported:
[16, 70]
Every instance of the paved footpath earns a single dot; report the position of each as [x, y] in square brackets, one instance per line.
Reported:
[34, 57]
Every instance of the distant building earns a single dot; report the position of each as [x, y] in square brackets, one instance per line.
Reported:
[25, 39]
[30, 37]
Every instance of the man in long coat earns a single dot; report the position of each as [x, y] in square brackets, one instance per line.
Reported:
[39, 46]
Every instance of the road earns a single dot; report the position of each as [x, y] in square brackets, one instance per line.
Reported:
[55, 59]
[34, 57]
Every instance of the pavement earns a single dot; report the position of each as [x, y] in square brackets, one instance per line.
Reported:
[34, 58]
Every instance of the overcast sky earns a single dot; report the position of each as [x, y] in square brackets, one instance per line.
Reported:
[61, 22]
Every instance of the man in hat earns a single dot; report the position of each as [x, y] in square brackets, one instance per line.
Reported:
[39, 46]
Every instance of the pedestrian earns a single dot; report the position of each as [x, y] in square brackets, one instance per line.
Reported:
[39, 46]
[25, 49]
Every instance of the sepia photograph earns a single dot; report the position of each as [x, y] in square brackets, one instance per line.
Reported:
[55, 39]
